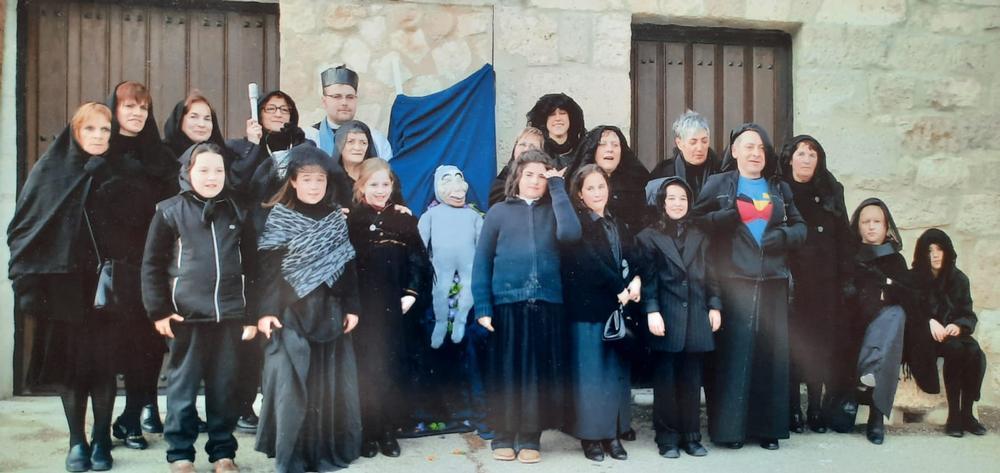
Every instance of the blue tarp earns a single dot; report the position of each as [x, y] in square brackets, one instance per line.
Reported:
[456, 126]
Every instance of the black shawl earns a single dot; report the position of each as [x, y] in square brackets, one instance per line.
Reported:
[826, 186]
[178, 142]
[627, 199]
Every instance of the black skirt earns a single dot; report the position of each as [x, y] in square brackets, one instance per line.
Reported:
[598, 384]
[526, 366]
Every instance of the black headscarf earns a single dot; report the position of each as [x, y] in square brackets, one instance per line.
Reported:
[666, 224]
[290, 134]
[178, 142]
[823, 183]
[922, 260]
[353, 126]
[771, 167]
[49, 211]
[539, 114]
[629, 168]
[893, 241]
[156, 159]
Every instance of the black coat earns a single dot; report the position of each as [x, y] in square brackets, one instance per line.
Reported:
[734, 252]
[680, 287]
[592, 279]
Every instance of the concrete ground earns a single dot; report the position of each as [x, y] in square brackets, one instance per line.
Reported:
[33, 435]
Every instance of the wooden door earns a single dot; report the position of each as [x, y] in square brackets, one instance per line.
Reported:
[728, 76]
[77, 51]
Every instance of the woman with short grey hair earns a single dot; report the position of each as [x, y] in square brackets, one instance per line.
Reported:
[692, 159]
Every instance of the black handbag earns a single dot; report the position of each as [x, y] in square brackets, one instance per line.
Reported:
[615, 328]
[118, 284]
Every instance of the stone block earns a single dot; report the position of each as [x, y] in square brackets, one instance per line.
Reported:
[373, 30]
[343, 17]
[424, 85]
[896, 92]
[956, 19]
[404, 17]
[529, 34]
[918, 209]
[356, 54]
[979, 214]
[453, 59]
[299, 19]
[862, 12]
[575, 37]
[371, 114]
[951, 134]
[612, 41]
[942, 172]
[437, 24]
[473, 23]
[593, 5]
[482, 47]
[929, 52]
[955, 92]
[682, 8]
[841, 46]
[411, 44]
[383, 69]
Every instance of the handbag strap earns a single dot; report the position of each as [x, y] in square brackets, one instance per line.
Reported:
[93, 240]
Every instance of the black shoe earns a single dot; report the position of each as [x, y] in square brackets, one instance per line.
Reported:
[816, 422]
[694, 448]
[953, 428]
[973, 426]
[248, 423]
[669, 451]
[628, 435]
[388, 445]
[592, 450]
[769, 444]
[149, 420]
[130, 438]
[78, 458]
[615, 448]
[797, 422]
[369, 448]
[876, 429]
[732, 445]
[100, 456]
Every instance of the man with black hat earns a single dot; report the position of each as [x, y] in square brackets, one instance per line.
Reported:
[340, 100]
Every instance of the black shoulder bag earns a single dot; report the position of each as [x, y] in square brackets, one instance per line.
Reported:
[118, 285]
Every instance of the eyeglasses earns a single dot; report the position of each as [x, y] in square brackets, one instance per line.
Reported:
[341, 96]
[275, 109]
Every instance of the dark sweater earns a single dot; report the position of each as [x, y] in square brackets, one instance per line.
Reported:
[517, 257]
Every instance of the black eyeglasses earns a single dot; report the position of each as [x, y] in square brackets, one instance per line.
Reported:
[276, 109]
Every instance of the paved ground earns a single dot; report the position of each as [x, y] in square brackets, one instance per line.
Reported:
[33, 433]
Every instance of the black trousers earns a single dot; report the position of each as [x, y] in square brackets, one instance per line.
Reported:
[517, 440]
[677, 397]
[251, 363]
[202, 352]
[964, 370]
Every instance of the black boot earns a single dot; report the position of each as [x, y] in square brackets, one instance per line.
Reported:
[592, 450]
[369, 448]
[797, 421]
[100, 455]
[953, 426]
[78, 458]
[876, 426]
[615, 448]
[131, 437]
[388, 445]
[969, 422]
[816, 421]
[248, 423]
[149, 419]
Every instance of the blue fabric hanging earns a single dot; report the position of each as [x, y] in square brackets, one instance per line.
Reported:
[456, 126]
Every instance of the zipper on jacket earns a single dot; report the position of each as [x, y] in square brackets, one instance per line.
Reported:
[173, 289]
[218, 273]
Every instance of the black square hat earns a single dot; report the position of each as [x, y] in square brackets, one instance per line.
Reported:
[339, 75]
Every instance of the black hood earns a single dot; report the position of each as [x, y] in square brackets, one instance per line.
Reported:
[179, 142]
[306, 154]
[823, 179]
[539, 115]
[148, 138]
[771, 167]
[665, 223]
[629, 168]
[921, 254]
[208, 210]
[293, 110]
[340, 137]
[893, 243]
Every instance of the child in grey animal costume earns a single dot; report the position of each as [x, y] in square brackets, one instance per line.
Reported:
[450, 231]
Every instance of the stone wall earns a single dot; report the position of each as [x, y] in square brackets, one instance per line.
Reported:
[900, 92]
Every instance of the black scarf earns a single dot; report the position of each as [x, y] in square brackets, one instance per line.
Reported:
[178, 142]
[318, 250]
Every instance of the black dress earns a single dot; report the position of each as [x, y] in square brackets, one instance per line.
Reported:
[391, 263]
[599, 374]
[310, 418]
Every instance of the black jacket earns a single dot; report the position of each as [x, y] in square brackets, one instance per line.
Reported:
[199, 258]
[734, 252]
[592, 279]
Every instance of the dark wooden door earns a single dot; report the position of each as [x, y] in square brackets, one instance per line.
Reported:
[729, 76]
[77, 51]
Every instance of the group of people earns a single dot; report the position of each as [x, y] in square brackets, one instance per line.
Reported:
[287, 261]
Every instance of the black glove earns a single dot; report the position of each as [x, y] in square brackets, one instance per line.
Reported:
[288, 136]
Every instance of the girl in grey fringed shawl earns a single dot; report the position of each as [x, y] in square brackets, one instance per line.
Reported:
[310, 419]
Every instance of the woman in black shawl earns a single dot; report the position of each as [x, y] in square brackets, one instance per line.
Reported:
[752, 223]
[310, 418]
[821, 268]
[881, 297]
[194, 121]
[394, 271]
[54, 238]
[561, 120]
[146, 173]
[946, 307]
[606, 147]
[692, 159]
